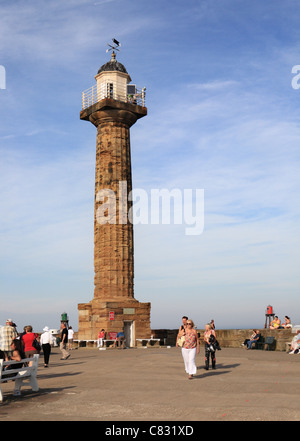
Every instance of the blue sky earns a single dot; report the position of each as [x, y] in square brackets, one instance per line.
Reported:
[222, 116]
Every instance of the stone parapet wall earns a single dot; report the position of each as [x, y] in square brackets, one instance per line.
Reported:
[229, 338]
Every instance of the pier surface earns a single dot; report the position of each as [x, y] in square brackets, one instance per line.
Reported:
[151, 385]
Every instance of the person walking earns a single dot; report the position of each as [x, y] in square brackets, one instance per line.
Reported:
[7, 334]
[70, 338]
[182, 329]
[64, 341]
[27, 341]
[46, 342]
[210, 346]
[189, 348]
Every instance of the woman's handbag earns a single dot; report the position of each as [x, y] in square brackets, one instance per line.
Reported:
[36, 345]
[180, 341]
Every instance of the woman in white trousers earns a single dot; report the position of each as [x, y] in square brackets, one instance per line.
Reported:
[190, 348]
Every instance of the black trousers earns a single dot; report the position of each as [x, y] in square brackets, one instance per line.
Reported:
[46, 350]
[210, 354]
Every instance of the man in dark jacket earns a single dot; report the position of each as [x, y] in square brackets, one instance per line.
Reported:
[64, 341]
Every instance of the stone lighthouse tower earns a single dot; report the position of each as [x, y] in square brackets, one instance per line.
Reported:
[113, 106]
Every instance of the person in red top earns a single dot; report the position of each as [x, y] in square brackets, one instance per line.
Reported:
[27, 340]
[189, 348]
[101, 336]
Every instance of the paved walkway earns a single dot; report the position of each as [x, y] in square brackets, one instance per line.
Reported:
[151, 385]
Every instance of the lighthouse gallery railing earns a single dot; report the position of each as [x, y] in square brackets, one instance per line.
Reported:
[130, 94]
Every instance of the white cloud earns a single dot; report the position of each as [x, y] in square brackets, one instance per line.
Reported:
[63, 33]
[213, 85]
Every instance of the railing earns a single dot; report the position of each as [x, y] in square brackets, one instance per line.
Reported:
[114, 90]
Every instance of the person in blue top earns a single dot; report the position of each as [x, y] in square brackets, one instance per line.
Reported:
[120, 340]
[253, 339]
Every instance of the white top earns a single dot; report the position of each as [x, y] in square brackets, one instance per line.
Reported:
[70, 333]
[45, 338]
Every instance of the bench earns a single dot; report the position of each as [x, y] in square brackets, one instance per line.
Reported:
[148, 342]
[107, 341]
[92, 343]
[85, 343]
[112, 338]
[259, 344]
[20, 375]
[266, 343]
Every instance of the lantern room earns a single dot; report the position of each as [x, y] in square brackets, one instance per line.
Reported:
[113, 82]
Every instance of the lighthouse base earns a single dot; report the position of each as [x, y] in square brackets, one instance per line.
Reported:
[129, 316]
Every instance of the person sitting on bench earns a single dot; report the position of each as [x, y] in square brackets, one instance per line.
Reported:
[120, 340]
[295, 343]
[253, 339]
[17, 355]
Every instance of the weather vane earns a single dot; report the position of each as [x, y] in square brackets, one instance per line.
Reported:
[114, 46]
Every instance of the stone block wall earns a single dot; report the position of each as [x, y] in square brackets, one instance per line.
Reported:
[228, 338]
[94, 316]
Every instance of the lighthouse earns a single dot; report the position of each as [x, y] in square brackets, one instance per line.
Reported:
[113, 104]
